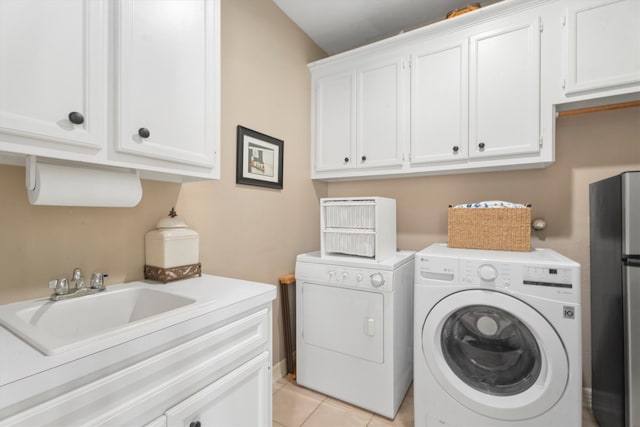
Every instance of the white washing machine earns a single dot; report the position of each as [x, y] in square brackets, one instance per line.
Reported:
[354, 328]
[497, 339]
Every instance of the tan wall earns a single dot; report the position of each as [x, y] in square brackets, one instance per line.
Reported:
[245, 232]
[588, 147]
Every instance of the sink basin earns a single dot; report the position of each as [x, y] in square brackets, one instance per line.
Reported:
[56, 326]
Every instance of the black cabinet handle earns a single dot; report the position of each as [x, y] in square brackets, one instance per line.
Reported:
[346, 160]
[195, 424]
[144, 133]
[364, 158]
[455, 148]
[481, 145]
[76, 118]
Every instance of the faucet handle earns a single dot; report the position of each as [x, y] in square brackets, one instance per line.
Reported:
[97, 280]
[61, 286]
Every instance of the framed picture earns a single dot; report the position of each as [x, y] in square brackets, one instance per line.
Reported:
[259, 159]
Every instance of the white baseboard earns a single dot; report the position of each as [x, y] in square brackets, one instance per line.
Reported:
[587, 397]
[279, 370]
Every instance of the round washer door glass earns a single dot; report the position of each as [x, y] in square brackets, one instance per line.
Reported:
[497, 355]
[491, 350]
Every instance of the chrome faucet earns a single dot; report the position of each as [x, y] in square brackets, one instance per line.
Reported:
[63, 291]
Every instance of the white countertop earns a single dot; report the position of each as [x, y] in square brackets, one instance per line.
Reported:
[217, 298]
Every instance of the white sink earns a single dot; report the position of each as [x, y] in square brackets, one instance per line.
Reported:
[56, 326]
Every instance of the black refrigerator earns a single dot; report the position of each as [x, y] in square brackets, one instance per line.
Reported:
[614, 209]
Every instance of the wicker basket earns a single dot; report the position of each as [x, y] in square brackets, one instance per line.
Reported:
[501, 229]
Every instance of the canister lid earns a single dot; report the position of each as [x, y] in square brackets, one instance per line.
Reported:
[172, 221]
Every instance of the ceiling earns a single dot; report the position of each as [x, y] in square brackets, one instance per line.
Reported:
[339, 25]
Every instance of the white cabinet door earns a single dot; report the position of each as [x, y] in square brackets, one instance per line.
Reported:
[166, 79]
[379, 107]
[53, 62]
[334, 125]
[603, 44]
[241, 398]
[439, 102]
[504, 109]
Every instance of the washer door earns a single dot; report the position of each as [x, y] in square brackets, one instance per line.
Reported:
[497, 355]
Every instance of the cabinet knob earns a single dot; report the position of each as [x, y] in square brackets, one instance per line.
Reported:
[364, 158]
[144, 133]
[76, 118]
[346, 160]
[481, 145]
[195, 424]
[456, 148]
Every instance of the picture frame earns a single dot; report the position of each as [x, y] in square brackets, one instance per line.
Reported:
[259, 159]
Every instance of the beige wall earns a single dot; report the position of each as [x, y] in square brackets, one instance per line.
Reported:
[245, 232]
[254, 233]
[588, 147]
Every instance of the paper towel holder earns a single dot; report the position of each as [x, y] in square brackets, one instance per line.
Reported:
[70, 184]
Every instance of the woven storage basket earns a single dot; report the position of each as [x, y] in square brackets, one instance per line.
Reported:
[501, 229]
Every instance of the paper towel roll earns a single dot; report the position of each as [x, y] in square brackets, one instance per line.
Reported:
[59, 185]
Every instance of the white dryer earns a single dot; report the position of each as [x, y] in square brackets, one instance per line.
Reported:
[497, 339]
[354, 328]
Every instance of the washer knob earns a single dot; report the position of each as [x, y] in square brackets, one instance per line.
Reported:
[359, 277]
[345, 275]
[332, 274]
[377, 280]
[487, 272]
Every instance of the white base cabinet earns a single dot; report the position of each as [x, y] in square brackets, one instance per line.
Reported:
[238, 399]
[222, 377]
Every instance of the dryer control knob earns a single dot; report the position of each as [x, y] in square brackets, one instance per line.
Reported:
[332, 274]
[345, 275]
[359, 277]
[377, 280]
[487, 272]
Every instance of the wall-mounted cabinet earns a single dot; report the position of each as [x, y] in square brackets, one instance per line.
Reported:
[459, 99]
[602, 45]
[504, 88]
[477, 97]
[132, 84]
[358, 120]
[53, 79]
[481, 90]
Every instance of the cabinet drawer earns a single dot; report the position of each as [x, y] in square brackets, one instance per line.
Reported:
[142, 392]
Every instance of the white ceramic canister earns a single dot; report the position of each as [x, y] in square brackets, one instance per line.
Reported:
[172, 244]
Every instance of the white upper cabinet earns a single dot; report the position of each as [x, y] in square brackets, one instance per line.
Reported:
[470, 98]
[334, 122]
[504, 83]
[378, 107]
[357, 116]
[166, 71]
[439, 102]
[602, 45]
[126, 83]
[53, 75]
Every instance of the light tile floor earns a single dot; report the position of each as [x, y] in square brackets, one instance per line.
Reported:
[295, 406]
